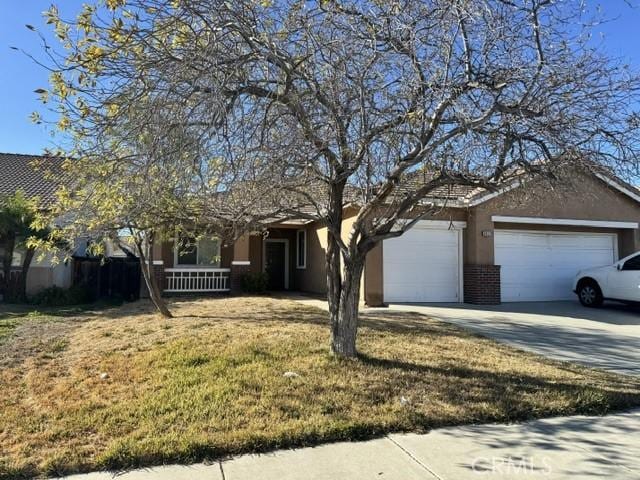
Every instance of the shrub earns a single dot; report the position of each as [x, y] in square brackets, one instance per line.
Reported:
[79, 294]
[58, 297]
[255, 282]
[51, 296]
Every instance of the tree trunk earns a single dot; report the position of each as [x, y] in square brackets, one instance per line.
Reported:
[340, 292]
[344, 318]
[7, 260]
[146, 265]
[334, 281]
[26, 263]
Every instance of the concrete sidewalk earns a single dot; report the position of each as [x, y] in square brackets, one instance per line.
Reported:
[559, 448]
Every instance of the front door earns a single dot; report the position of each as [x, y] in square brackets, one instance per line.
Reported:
[275, 264]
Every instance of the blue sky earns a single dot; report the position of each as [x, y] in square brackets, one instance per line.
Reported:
[20, 76]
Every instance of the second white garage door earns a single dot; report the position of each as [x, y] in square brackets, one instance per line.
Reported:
[538, 266]
[423, 265]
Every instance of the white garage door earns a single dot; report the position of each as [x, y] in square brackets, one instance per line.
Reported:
[537, 266]
[423, 265]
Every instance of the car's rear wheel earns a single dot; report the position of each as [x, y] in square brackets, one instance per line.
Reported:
[589, 294]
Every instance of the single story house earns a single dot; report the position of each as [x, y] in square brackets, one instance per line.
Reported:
[524, 242]
[21, 172]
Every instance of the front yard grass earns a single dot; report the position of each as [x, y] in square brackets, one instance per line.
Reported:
[122, 387]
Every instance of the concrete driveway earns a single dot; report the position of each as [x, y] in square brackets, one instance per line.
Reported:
[607, 337]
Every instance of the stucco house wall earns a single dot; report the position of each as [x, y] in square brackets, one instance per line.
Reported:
[587, 198]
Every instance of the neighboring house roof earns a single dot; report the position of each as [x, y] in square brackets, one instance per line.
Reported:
[33, 174]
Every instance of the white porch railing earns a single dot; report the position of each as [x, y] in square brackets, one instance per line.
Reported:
[197, 279]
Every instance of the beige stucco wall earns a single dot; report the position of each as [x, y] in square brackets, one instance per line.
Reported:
[587, 198]
[314, 278]
[41, 277]
[374, 276]
[43, 272]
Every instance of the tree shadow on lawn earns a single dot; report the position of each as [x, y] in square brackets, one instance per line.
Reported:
[9, 311]
[465, 390]
[442, 393]
[508, 389]
[265, 310]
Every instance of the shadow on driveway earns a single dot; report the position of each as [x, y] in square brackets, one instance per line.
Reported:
[607, 338]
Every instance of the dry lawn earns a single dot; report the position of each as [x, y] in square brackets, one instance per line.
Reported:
[210, 383]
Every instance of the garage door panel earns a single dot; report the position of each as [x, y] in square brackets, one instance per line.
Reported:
[567, 259]
[419, 292]
[533, 257]
[423, 295]
[422, 266]
[442, 275]
[523, 239]
[441, 256]
[589, 242]
[541, 266]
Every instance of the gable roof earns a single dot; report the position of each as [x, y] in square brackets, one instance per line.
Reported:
[600, 172]
[31, 174]
[617, 183]
[463, 196]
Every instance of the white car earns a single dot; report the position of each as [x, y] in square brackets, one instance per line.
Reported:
[620, 282]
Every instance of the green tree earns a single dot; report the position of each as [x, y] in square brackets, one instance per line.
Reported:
[134, 187]
[18, 215]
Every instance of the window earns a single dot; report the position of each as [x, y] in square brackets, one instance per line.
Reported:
[301, 249]
[632, 263]
[202, 252]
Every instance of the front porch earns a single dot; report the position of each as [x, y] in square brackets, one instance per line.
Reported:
[212, 267]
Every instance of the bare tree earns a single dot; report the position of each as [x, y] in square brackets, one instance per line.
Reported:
[342, 102]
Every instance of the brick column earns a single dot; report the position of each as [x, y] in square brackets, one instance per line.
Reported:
[239, 268]
[157, 270]
[158, 273]
[482, 284]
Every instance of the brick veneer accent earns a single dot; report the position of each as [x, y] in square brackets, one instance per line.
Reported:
[157, 270]
[161, 278]
[237, 272]
[482, 284]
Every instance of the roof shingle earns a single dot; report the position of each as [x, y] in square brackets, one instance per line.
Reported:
[33, 174]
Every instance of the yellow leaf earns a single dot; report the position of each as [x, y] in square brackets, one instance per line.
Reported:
[114, 4]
